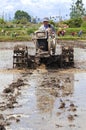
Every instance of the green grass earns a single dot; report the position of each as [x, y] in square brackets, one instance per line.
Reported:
[17, 38]
[24, 33]
[68, 37]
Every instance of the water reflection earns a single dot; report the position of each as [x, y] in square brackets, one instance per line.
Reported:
[80, 86]
[80, 58]
[41, 99]
[6, 59]
[53, 87]
[45, 102]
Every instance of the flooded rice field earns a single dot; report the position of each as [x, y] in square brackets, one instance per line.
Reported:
[42, 99]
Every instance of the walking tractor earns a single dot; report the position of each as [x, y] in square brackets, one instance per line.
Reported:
[47, 51]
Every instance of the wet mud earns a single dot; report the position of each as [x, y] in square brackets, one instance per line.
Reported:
[42, 99]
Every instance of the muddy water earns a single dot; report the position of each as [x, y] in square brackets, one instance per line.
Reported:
[6, 54]
[50, 99]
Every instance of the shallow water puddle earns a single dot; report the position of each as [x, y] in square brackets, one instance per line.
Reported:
[80, 91]
[6, 59]
[39, 109]
[80, 58]
[5, 80]
[49, 100]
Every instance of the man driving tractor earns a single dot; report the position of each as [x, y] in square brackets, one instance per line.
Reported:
[47, 26]
[48, 42]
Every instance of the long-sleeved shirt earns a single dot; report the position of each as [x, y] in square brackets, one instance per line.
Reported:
[44, 28]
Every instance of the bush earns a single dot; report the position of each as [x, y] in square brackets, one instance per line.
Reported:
[31, 30]
[70, 30]
[74, 23]
[83, 24]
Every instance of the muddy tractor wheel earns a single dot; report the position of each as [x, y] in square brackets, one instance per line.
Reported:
[51, 45]
[20, 56]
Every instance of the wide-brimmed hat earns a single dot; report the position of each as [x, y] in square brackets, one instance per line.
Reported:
[46, 19]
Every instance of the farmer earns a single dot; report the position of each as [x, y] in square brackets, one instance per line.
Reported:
[80, 33]
[47, 26]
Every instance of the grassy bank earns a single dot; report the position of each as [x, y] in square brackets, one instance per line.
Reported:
[17, 38]
[24, 33]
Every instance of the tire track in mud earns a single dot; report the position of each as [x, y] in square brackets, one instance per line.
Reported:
[57, 86]
[12, 92]
[48, 86]
[10, 95]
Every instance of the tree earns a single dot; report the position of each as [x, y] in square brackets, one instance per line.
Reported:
[77, 9]
[21, 15]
